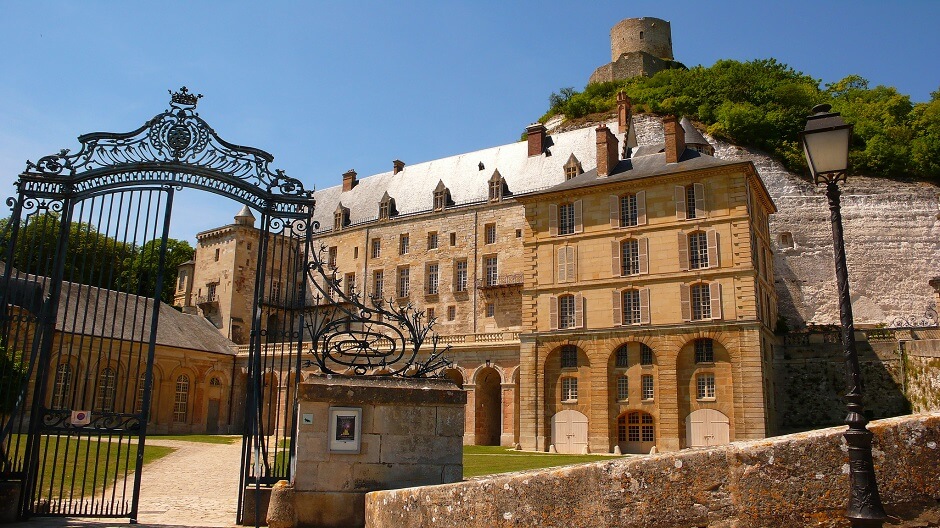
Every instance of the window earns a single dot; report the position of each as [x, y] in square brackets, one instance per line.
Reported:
[356, 252]
[376, 247]
[432, 240]
[490, 270]
[496, 187]
[331, 256]
[378, 283]
[572, 167]
[628, 210]
[569, 389]
[518, 233]
[107, 385]
[338, 220]
[430, 314]
[441, 196]
[384, 210]
[630, 257]
[403, 242]
[350, 283]
[387, 207]
[631, 306]
[460, 276]
[451, 313]
[637, 427]
[404, 283]
[569, 356]
[704, 351]
[181, 400]
[141, 381]
[453, 239]
[646, 355]
[705, 386]
[623, 392]
[490, 309]
[490, 234]
[690, 201]
[566, 219]
[623, 357]
[182, 282]
[785, 239]
[646, 387]
[276, 292]
[567, 264]
[61, 386]
[249, 246]
[698, 250]
[211, 291]
[215, 382]
[433, 284]
[566, 309]
[701, 302]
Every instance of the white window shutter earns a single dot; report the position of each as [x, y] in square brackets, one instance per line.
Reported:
[572, 261]
[615, 268]
[578, 310]
[685, 300]
[618, 314]
[578, 217]
[553, 219]
[680, 202]
[712, 236]
[699, 189]
[683, 251]
[645, 306]
[614, 210]
[641, 208]
[562, 264]
[644, 252]
[714, 293]
[553, 312]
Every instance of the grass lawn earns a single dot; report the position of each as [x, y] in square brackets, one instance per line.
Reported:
[87, 464]
[489, 460]
[203, 438]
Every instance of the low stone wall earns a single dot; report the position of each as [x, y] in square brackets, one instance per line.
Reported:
[922, 374]
[795, 480]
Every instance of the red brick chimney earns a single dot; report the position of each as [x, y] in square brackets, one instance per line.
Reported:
[623, 111]
[675, 139]
[398, 166]
[606, 151]
[536, 136]
[349, 180]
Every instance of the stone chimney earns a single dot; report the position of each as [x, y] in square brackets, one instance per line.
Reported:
[606, 151]
[675, 139]
[623, 111]
[397, 166]
[349, 180]
[535, 133]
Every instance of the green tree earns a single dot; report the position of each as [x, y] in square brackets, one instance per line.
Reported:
[140, 268]
[12, 378]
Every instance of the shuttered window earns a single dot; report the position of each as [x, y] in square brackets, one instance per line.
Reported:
[567, 264]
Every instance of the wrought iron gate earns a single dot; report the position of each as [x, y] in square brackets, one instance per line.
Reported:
[82, 275]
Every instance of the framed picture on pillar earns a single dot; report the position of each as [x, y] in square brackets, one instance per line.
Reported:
[345, 429]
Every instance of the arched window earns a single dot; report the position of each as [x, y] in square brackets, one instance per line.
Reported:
[107, 384]
[646, 355]
[215, 382]
[623, 358]
[181, 400]
[60, 389]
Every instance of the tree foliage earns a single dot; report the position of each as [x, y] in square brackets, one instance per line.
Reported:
[140, 269]
[764, 104]
[12, 378]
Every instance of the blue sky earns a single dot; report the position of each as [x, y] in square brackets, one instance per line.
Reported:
[326, 87]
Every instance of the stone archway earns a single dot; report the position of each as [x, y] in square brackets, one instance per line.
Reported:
[487, 407]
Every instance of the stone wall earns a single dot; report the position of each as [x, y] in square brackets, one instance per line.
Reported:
[891, 234]
[795, 480]
[922, 374]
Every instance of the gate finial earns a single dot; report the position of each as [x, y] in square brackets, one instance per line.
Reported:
[183, 97]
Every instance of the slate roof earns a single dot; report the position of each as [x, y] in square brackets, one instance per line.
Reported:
[413, 187]
[100, 312]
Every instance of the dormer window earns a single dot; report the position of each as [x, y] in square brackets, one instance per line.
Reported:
[496, 186]
[572, 167]
[340, 217]
[441, 196]
[387, 207]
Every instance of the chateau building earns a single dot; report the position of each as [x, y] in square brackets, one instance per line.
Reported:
[595, 296]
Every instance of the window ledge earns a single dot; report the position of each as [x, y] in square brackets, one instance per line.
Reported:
[706, 399]
[569, 401]
[648, 400]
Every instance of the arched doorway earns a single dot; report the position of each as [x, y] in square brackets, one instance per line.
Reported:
[569, 432]
[707, 427]
[488, 402]
[455, 376]
[636, 432]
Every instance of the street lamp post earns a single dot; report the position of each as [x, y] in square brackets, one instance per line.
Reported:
[826, 145]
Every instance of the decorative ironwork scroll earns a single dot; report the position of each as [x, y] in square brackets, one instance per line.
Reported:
[381, 338]
[928, 320]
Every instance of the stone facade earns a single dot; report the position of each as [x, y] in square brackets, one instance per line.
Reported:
[789, 481]
[638, 47]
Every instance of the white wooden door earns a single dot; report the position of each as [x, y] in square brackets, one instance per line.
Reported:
[569, 431]
[707, 427]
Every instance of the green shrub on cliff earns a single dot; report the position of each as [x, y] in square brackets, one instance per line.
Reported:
[764, 104]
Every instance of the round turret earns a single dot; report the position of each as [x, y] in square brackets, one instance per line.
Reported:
[652, 35]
